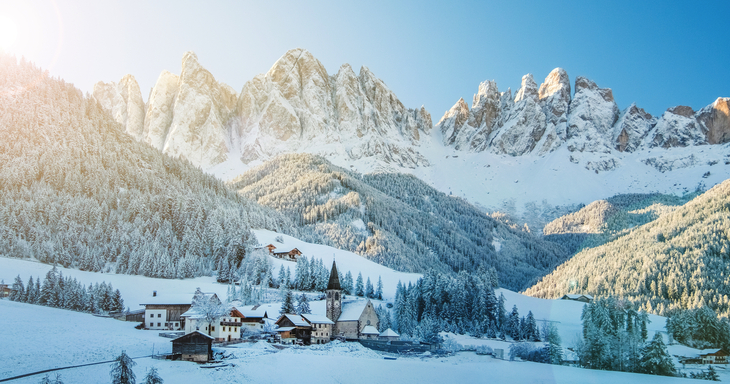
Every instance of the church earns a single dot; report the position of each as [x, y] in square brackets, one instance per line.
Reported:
[354, 318]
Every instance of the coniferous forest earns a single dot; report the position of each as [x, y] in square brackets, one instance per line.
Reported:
[76, 190]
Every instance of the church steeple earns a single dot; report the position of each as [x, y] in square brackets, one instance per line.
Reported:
[334, 296]
[334, 282]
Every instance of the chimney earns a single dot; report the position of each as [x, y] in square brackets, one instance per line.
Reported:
[154, 293]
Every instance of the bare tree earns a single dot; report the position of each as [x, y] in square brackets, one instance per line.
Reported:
[209, 308]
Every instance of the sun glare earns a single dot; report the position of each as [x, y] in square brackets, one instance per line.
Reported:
[8, 33]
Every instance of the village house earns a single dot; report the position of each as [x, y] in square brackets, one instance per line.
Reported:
[165, 312]
[226, 328]
[293, 327]
[321, 328]
[575, 297]
[5, 290]
[351, 317]
[195, 346]
[716, 357]
[254, 318]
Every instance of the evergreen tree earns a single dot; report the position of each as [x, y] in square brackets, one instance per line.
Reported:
[655, 359]
[359, 288]
[712, 374]
[553, 343]
[18, 293]
[281, 278]
[369, 292]
[347, 284]
[512, 327]
[501, 316]
[121, 372]
[379, 290]
[288, 305]
[303, 306]
[152, 377]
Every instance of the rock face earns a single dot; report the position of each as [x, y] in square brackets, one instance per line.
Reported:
[592, 115]
[677, 128]
[554, 97]
[124, 102]
[631, 128]
[298, 104]
[714, 119]
[523, 125]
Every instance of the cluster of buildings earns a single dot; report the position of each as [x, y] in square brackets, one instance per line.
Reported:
[353, 319]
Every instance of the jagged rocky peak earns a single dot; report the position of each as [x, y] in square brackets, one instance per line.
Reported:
[554, 94]
[715, 121]
[528, 89]
[677, 127]
[485, 107]
[124, 102]
[631, 128]
[297, 102]
[160, 109]
[453, 120]
[593, 113]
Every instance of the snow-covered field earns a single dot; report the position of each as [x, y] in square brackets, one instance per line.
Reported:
[36, 338]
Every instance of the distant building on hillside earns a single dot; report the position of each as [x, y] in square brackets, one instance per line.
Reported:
[717, 357]
[5, 290]
[575, 297]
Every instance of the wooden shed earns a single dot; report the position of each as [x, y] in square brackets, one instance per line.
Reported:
[194, 346]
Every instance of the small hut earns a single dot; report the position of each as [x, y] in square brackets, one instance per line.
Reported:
[369, 333]
[195, 346]
[389, 335]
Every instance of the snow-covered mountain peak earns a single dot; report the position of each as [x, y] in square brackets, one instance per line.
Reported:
[715, 119]
[528, 88]
[556, 83]
[124, 101]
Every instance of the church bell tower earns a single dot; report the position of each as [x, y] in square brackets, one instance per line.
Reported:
[334, 295]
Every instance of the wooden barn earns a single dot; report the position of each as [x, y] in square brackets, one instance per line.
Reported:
[5, 290]
[581, 298]
[195, 346]
[300, 328]
[287, 254]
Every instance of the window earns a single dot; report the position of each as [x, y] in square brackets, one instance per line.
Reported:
[159, 315]
[212, 329]
[158, 324]
[152, 315]
[152, 324]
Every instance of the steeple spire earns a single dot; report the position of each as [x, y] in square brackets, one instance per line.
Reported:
[334, 282]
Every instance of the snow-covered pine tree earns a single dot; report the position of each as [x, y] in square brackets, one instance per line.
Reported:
[655, 359]
[359, 288]
[379, 290]
[512, 328]
[288, 305]
[152, 377]
[303, 305]
[18, 292]
[347, 285]
[281, 278]
[369, 291]
[121, 372]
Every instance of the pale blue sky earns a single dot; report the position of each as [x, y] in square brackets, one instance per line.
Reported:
[655, 53]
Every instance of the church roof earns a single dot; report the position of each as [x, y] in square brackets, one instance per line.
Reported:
[352, 310]
[334, 282]
[316, 319]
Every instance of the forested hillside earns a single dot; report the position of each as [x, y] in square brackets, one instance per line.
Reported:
[605, 220]
[679, 260]
[78, 191]
[396, 220]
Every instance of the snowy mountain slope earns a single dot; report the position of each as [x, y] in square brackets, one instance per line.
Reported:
[396, 220]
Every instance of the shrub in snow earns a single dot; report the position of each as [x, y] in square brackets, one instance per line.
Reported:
[451, 345]
[484, 350]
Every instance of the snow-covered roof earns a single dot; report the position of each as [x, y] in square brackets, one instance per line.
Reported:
[297, 320]
[389, 333]
[284, 329]
[352, 310]
[316, 319]
[198, 332]
[284, 249]
[370, 330]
